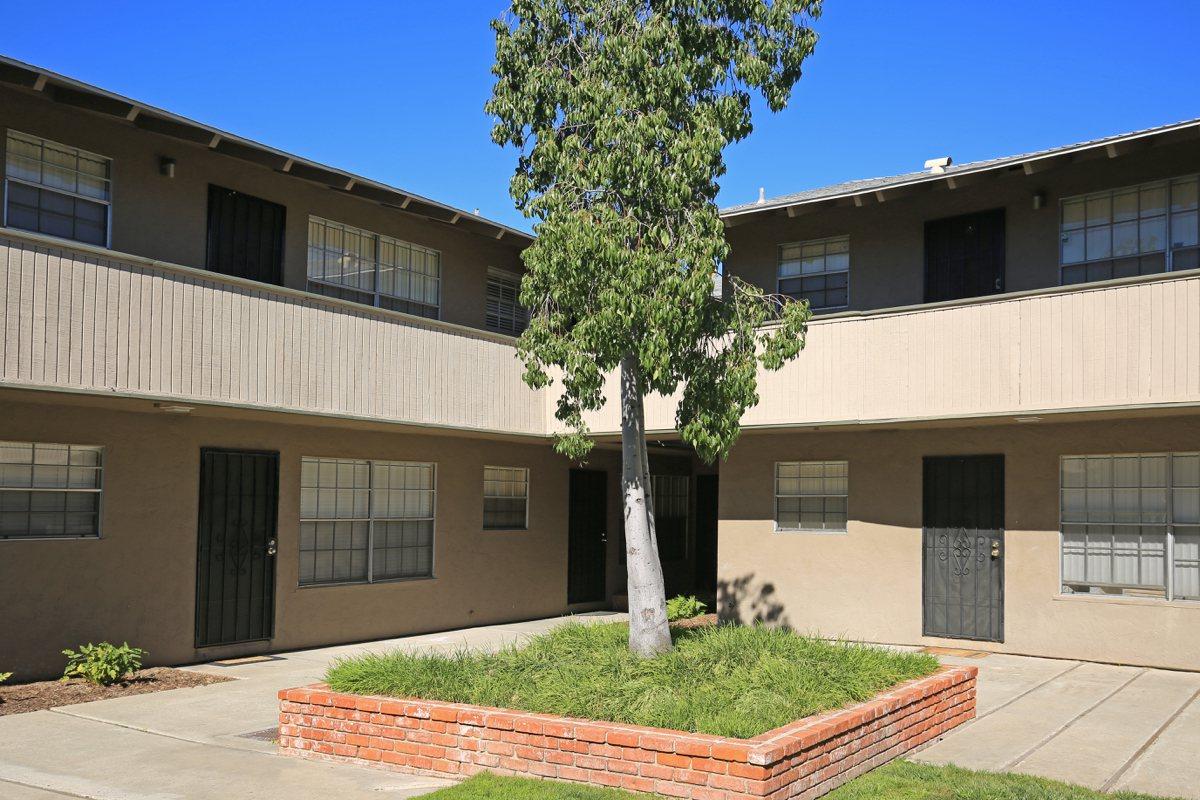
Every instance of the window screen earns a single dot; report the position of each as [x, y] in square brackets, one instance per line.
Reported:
[49, 490]
[816, 271]
[811, 495]
[505, 498]
[56, 189]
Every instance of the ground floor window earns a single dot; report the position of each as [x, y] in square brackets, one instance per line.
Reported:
[505, 498]
[49, 490]
[363, 521]
[670, 497]
[1131, 525]
[811, 495]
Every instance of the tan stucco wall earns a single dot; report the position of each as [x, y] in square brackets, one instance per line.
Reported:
[866, 584]
[887, 240]
[137, 582]
[165, 218]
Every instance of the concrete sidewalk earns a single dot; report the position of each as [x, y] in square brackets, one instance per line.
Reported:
[214, 741]
[1102, 726]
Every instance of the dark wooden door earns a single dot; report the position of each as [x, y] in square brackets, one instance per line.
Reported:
[245, 236]
[235, 556]
[963, 563]
[964, 256]
[706, 533]
[587, 536]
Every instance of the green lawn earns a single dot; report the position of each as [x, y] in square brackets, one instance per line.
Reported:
[900, 780]
[725, 680]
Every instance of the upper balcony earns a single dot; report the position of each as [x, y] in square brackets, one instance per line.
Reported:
[85, 319]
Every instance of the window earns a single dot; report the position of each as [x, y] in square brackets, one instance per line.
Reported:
[57, 190]
[811, 495]
[358, 265]
[816, 271]
[505, 498]
[1131, 525]
[504, 311]
[670, 497]
[49, 490]
[363, 521]
[1137, 230]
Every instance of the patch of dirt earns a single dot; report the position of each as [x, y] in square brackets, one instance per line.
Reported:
[702, 621]
[21, 698]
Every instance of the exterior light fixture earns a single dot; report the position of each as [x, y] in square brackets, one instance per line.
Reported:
[1039, 200]
[173, 408]
[1028, 419]
[166, 167]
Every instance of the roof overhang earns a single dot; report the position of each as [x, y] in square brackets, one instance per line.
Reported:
[67, 91]
[970, 174]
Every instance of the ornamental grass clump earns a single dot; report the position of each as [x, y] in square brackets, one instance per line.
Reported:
[725, 680]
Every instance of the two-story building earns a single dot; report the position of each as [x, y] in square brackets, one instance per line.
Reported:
[249, 402]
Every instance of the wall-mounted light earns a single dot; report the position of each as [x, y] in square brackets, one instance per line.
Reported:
[166, 167]
[1039, 200]
[172, 408]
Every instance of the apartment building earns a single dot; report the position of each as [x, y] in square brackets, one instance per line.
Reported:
[253, 403]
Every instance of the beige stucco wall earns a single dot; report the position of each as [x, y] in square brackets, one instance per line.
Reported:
[887, 240]
[137, 582]
[866, 584]
[165, 218]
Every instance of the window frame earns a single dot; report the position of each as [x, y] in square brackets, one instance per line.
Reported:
[777, 528]
[99, 491]
[371, 520]
[1167, 183]
[824, 241]
[108, 203]
[377, 298]
[501, 529]
[518, 309]
[1168, 525]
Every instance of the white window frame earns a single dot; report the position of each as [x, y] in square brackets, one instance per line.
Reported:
[845, 496]
[373, 296]
[79, 151]
[824, 242]
[1167, 216]
[519, 313]
[498, 529]
[98, 491]
[371, 519]
[1169, 541]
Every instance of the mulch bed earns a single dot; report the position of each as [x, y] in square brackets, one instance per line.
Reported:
[22, 698]
[702, 621]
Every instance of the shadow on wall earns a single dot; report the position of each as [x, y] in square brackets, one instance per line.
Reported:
[743, 601]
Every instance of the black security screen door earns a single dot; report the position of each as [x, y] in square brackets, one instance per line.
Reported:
[587, 536]
[706, 533]
[235, 561]
[963, 562]
[964, 256]
[245, 236]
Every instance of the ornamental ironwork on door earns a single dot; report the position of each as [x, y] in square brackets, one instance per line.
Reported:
[963, 560]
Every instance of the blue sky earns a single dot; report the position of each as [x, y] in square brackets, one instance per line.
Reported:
[395, 90]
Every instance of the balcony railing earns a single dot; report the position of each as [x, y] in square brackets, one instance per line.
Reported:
[85, 319]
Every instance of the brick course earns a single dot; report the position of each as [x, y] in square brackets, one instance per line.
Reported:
[802, 760]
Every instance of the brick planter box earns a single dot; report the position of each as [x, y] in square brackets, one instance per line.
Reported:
[802, 760]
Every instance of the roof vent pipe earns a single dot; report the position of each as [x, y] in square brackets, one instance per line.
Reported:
[938, 165]
[762, 195]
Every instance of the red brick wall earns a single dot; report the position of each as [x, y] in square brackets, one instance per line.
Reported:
[803, 760]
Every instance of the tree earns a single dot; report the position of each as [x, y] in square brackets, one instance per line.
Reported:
[620, 111]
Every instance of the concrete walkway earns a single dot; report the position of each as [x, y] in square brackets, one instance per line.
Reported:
[210, 742]
[1102, 726]
[1106, 727]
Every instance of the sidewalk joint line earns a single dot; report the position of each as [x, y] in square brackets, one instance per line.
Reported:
[1028, 691]
[1046, 740]
[1141, 751]
[59, 792]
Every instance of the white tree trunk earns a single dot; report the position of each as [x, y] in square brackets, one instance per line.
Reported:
[649, 633]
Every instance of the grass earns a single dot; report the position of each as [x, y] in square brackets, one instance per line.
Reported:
[900, 780]
[725, 680]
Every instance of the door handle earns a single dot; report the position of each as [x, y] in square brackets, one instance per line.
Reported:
[997, 284]
[996, 548]
[271, 549]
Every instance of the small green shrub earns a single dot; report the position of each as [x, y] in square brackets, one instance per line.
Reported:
[5, 676]
[684, 608]
[102, 664]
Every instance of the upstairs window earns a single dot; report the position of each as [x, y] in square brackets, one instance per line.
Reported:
[354, 264]
[56, 189]
[504, 312]
[817, 271]
[1138, 230]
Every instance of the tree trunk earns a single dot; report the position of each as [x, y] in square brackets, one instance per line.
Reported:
[649, 634]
